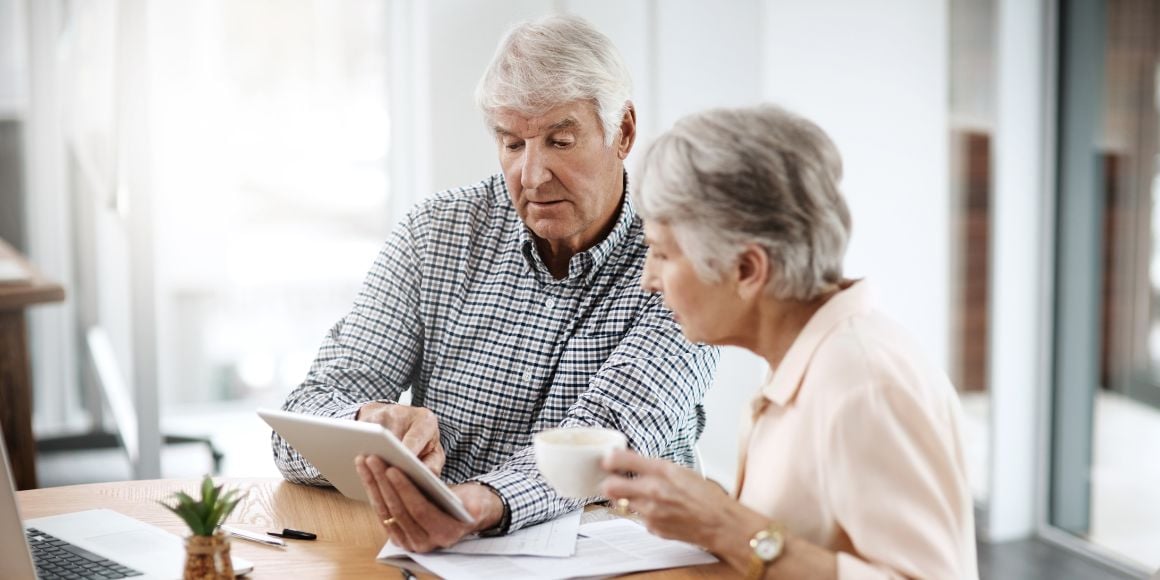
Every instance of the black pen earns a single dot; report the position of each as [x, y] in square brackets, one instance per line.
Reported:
[407, 574]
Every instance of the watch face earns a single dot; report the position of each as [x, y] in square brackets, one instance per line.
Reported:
[768, 548]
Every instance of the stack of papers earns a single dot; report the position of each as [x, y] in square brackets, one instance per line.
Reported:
[561, 548]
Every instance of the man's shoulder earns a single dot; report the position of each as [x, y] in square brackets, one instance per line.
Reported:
[485, 197]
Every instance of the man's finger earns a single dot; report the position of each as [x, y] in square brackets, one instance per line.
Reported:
[371, 487]
[435, 460]
[441, 528]
[421, 435]
[412, 533]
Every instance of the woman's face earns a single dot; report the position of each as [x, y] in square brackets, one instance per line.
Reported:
[707, 312]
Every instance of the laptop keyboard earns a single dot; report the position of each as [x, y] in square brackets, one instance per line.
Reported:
[57, 558]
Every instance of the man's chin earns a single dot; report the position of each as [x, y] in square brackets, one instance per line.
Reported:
[551, 229]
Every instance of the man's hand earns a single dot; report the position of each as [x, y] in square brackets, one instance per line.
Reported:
[416, 524]
[416, 427]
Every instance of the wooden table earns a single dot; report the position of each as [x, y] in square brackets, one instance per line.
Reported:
[349, 534]
[15, 367]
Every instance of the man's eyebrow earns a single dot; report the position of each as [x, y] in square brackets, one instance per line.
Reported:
[565, 123]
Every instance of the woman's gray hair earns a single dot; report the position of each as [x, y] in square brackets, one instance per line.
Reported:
[726, 178]
[552, 61]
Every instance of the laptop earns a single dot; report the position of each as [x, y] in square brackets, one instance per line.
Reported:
[96, 543]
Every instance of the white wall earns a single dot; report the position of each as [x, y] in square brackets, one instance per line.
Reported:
[874, 75]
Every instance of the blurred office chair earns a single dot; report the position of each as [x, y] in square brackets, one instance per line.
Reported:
[115, 391]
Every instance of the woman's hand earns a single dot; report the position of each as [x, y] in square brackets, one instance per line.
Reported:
[674, 502]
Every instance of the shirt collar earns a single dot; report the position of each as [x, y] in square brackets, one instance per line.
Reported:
[786, 379]
[588, 262]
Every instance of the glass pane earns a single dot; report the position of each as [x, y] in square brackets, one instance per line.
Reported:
[972, 119]
[1107, 408]
[270, 135]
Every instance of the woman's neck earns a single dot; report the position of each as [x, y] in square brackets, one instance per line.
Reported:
[781, 321]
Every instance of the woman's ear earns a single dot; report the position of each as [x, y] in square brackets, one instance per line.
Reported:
[753, 272]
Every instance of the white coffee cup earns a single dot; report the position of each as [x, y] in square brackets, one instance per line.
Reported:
[569, 458]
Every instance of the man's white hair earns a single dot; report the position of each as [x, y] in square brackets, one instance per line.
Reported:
[545, 63]
[726, 178]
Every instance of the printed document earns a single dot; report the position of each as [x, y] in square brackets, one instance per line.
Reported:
[603, 548]
[555, 538]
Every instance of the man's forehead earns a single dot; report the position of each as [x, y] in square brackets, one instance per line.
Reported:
[572, 116]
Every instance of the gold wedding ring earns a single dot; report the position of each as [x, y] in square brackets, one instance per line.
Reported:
[622, 506]
[388, 521]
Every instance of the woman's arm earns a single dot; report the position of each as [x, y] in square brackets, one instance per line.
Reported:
[676, 503]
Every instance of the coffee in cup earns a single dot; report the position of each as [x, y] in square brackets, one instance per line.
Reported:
[569, 458]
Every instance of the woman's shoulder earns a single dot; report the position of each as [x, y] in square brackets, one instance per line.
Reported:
[871, 352]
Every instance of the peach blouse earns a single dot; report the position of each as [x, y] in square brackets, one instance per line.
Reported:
[854, 445]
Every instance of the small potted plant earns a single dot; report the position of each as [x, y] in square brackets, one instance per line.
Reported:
[207, 550]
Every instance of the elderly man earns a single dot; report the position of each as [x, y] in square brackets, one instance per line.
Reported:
[514, 305]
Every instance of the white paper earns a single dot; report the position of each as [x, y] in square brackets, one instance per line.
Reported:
[604, 548]
[555, 538]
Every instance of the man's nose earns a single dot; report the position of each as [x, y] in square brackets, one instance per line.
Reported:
[535, 172]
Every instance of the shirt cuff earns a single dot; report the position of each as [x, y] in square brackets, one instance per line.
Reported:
[350, 412]
[522, 498]
[505, 522]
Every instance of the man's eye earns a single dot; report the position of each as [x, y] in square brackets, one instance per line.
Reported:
[561, 144]
[514, 146]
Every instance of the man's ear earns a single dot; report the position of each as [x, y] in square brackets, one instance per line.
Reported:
[753, 271]
[627, 132]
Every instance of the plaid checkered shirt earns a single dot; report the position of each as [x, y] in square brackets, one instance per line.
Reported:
[460, 308]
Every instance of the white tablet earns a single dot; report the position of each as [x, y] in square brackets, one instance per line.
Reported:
[332, 444]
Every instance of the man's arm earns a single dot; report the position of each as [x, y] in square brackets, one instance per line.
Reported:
[649, 389]
[372, 354]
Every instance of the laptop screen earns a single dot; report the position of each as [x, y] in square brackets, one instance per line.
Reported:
[15, 559]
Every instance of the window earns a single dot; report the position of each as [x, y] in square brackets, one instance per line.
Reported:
[270, 133]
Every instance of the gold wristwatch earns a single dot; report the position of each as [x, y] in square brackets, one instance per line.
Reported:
[767, 545]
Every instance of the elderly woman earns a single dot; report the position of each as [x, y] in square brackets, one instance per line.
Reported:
[852, 463]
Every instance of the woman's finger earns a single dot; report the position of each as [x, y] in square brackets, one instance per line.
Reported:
[624, 461]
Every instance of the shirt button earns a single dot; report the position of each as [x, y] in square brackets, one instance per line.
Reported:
[550, 302]
[528, 375]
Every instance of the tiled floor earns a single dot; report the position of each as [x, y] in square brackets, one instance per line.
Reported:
[1038, 560]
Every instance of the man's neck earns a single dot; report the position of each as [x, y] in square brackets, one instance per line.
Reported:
[556, 256]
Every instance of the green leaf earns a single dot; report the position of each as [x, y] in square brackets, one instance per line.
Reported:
[205, 514]
[207, 489]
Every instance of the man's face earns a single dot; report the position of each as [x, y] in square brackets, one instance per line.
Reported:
[565, 183]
